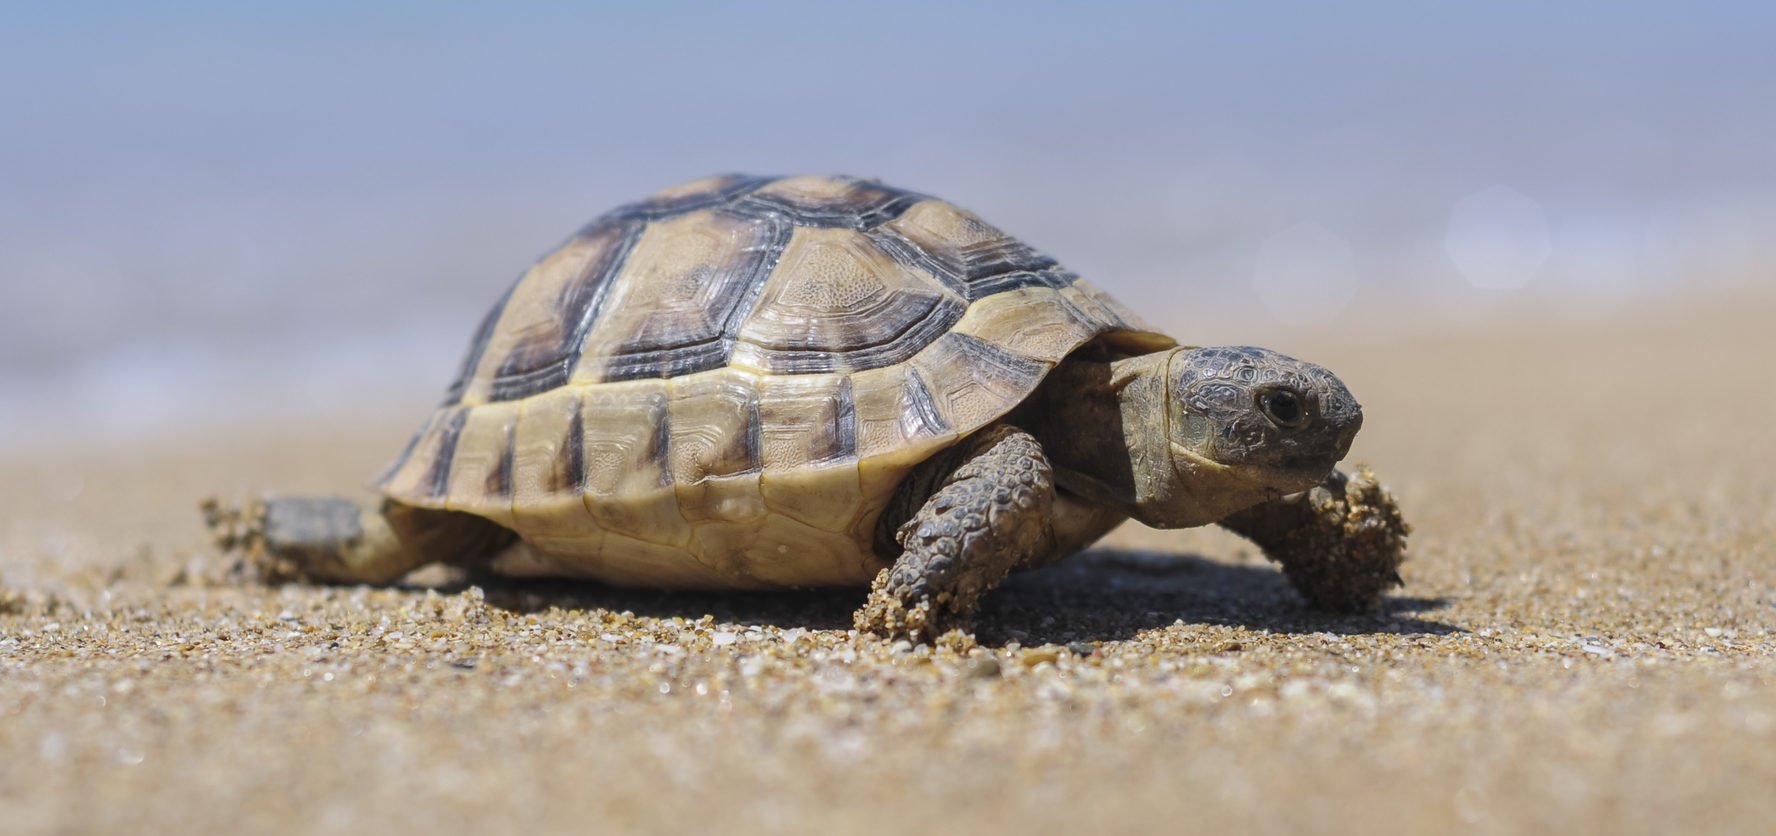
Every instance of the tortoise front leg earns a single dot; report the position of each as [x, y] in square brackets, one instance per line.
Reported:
[988, 515]
[1340, 544]
[337, 540]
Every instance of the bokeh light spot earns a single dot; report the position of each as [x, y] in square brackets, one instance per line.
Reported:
[1498, 238]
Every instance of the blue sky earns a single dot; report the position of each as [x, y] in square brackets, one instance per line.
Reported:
[1636, 98]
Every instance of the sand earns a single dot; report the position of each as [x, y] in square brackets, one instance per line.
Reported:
[1584, 644]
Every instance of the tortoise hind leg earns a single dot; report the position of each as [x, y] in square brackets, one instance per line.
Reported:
[338, 540]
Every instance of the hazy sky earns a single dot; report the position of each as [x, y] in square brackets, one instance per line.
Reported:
[197, 180]
[218, 98]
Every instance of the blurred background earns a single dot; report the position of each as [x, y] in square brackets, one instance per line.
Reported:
[215, 213]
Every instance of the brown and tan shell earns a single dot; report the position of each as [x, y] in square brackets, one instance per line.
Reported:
[722, 385]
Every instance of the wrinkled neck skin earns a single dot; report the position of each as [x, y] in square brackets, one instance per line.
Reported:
[1104, 428]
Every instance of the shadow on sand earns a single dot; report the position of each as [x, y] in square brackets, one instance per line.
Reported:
[1100, 595]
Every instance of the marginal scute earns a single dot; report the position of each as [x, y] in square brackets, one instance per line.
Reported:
[895, 412]
[898, 426]
[810, 449]
[973, 382]
[629, 487]
[547, 505]
[480, 479]
[806, 420]
[715, 453]
[450, 429]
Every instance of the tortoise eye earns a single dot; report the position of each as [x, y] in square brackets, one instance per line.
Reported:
[1283, 407]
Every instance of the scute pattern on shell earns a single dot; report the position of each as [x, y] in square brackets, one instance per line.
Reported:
[732, 375]
[775, 272]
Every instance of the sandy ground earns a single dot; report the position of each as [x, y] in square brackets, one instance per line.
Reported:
[1584, 644]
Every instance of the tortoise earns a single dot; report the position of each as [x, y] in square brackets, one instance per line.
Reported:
[753, 382]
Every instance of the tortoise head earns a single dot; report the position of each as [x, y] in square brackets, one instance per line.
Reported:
[1241, 425]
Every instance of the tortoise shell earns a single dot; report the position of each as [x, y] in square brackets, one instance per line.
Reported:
[723, 384]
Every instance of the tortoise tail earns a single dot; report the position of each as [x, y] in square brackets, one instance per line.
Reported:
[338, 540]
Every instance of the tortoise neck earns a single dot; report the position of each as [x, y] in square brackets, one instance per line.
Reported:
[1102, 425]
